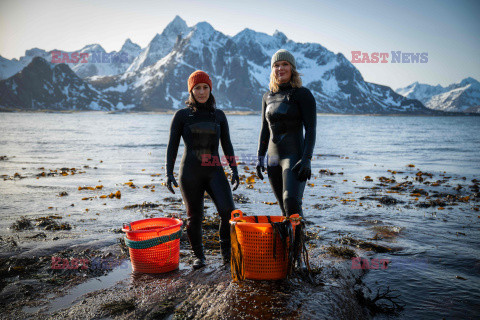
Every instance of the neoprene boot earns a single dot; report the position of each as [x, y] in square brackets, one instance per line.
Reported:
[301, 267]
[226, 251]
[200, 261]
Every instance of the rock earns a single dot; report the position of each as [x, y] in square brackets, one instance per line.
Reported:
[387, 200]
[240, 198]
[22, 224]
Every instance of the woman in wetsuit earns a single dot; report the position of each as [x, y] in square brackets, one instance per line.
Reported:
[202, 126]
[287, 109]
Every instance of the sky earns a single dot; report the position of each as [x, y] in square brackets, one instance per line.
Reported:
[448, 31]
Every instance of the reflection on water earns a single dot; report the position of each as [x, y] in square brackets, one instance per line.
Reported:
[121, 272]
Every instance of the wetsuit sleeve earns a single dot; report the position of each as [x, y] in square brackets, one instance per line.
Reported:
[176, 129]
[264, 132]
[227, 146]
[308, 108]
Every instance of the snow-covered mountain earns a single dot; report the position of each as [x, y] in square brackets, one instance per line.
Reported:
[10, 67]
[336, 84]
[240, 68]
[160, 45]
[109, 63]
[128, 53]
[42, 85]
[458, 97]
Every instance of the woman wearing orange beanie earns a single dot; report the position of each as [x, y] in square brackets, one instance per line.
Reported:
[202, 127]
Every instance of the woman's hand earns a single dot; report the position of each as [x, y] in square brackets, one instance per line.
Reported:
[235, 180]
[170, 180]
[260, 168]
[303, 169]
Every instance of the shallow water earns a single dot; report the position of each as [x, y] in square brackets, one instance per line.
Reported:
[432, 247]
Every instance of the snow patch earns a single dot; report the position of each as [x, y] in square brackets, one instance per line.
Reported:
[119, 88]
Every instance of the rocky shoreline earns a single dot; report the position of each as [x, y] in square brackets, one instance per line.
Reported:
[35, 280]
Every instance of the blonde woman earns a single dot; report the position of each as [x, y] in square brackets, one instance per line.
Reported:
[287, 109]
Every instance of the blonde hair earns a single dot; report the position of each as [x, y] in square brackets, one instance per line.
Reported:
[295, 80]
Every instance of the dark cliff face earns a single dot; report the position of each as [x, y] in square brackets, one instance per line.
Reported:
[239, 67]
[42, 85]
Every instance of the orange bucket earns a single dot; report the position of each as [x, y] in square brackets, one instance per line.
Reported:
[154, 244]
[255, 236]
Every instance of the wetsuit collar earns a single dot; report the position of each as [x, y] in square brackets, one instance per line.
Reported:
[285, 86]
[202, 108]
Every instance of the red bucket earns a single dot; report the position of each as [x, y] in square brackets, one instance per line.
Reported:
[154, 244]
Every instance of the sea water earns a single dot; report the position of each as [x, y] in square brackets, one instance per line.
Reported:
[435, 250]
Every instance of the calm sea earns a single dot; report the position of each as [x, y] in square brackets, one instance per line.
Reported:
[436, 249]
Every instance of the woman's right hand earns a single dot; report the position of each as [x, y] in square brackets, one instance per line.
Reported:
[170, 180]
[260, 168]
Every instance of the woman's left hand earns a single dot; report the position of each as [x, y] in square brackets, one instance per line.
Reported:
[235, 180]
[303, 169]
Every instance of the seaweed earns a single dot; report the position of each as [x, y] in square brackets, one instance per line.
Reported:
[22, 224]
[348, 240]
[385, 302]
[341, 252]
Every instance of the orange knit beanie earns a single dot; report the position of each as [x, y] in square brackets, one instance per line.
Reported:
[197, 77]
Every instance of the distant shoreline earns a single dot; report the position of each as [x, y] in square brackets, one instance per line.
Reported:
[239, 112]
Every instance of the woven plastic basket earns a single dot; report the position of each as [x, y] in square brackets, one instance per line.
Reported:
[255, 236]
[154, 244]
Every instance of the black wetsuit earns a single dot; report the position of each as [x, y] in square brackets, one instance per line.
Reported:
[284, 115]
[201, 131]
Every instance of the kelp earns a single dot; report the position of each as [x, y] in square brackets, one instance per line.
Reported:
[300, 253]
[285, 231]
[236, 259]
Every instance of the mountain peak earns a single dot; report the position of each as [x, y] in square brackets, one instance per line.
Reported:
[129, 44]
[178, 20]
[280, 35]
[176, 27]
[246, 34]
[468, 80]
[34, 52]
[92, 47]
[204, 27]
[247, 31]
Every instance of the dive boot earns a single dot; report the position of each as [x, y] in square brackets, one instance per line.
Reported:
[226, 251]
[200, 261]
[301, 267]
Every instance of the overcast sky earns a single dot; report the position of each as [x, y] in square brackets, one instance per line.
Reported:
[447, 30]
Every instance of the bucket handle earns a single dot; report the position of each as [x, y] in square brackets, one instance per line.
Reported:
[295, 219]
[237, 214]
[125, 225]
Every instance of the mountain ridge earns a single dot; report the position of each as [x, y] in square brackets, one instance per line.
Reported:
[463, 96]
[239, 66]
